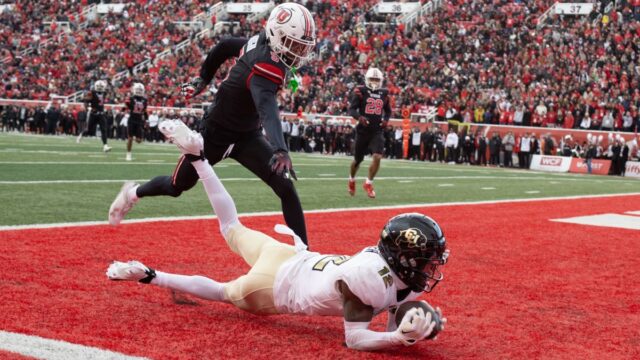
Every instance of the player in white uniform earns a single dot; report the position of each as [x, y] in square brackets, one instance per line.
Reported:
[286, 279]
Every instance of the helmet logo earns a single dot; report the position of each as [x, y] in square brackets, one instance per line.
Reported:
[410, 236]
[283, 16]
[274, 57]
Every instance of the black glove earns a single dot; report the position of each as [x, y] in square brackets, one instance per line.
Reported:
[281, 164]
[192, 88]
[363, 121]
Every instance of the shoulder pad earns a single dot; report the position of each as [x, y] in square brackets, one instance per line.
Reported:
[269, 71]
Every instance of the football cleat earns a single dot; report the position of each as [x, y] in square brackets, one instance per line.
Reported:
[106, 148]
[369, 189]
[352, 187]
[131, 271]
[122, 204]
[128, 157]
[187, 140]
[79, 138]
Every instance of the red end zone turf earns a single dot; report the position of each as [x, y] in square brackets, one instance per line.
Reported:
[517, 286]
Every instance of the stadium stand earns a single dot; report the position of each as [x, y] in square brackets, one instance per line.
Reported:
[487, 61]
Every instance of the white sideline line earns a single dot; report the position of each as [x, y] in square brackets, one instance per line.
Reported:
[318, 211]
[106, 181]
[42, 348]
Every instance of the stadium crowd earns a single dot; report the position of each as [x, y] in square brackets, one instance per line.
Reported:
[484, 61]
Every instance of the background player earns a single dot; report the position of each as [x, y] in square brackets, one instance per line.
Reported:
[368, 105]
[284, 279]
[244, 104]
[94, 103]
[137, 106]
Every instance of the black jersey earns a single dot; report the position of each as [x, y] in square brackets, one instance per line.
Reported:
[96, 101]
[137, 106]
[374, 105]
[246, 98]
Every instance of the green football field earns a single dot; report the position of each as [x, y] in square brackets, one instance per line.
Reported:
[51, 179]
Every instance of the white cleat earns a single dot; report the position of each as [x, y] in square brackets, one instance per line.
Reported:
[79, 138]
[106, 148]
[122, 204]
[128, 158]
[130, 271]
[187, 140]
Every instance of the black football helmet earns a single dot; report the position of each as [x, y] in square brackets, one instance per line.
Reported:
[414, 247]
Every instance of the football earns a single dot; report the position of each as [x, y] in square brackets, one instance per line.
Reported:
[404, 307]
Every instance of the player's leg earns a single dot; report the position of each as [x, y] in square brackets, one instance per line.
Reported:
[102, 122]
[376, 145]
[184, 178]
[255, 154]
[200, 286]
[129, 143]
[362, 143]
[252, 292]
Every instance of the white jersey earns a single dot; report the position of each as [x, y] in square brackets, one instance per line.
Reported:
[308, 283]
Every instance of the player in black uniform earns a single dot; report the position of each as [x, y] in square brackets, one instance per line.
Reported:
[94, 103]
[244, 104]
[368, 104]
[137, 106]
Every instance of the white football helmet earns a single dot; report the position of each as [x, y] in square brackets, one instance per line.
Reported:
[373, 78]
[137, 89]
[291, 31]
[100, 86]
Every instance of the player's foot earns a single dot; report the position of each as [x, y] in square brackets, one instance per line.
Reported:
[187, 140]
[79, 138]
[352, 187]
[128, 158]
[106, 148]
[369, 189]
[131, 271]
[122, 204]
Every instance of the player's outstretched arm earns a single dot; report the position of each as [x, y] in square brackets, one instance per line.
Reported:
[415, 326]
[225, 49]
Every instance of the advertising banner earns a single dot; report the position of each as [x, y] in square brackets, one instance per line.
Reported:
[599, 167]
[632, 169]
[550, 163]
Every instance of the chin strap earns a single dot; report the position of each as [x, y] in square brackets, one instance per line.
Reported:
[297, 242]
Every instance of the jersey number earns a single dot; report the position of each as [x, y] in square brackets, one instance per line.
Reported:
[374, 107]
[385, 273]
[335, 259]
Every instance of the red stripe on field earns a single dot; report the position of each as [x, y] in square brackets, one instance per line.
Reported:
[5, 355]
[517, 286]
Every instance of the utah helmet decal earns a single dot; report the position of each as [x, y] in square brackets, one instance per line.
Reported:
[284, 15]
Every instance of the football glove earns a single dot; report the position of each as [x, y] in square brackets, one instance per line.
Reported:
[415, 326]
[192, 88]
[281, 164]
[363, 121]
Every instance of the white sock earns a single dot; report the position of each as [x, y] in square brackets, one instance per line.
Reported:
[132, 194]
[199, 286]
[369, 181]
[220, 200]
[351, 178]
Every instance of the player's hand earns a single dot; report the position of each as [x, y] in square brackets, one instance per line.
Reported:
[363, 121]
[384, 123]
[281, 164]
[192, 88]
[415, 326]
